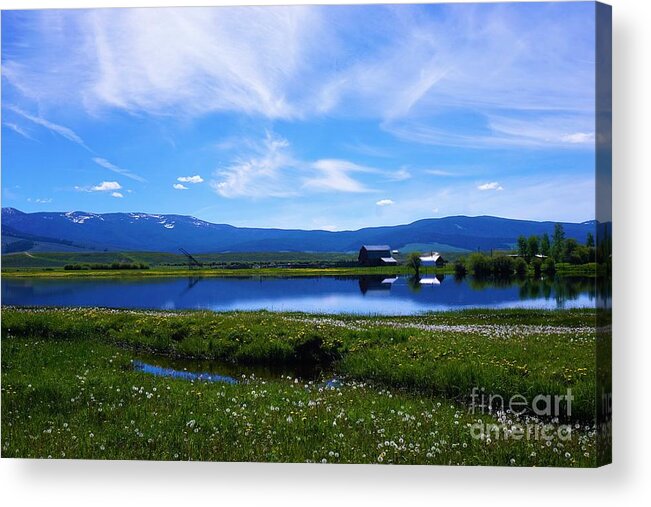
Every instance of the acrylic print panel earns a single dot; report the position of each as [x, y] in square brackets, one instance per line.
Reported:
[318, 234]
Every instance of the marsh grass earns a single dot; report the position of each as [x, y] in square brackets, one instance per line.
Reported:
[69, 390]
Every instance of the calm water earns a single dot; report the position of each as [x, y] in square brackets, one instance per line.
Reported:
[225, 372]
[361, 295]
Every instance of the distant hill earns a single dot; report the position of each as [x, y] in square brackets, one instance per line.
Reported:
[82, 231]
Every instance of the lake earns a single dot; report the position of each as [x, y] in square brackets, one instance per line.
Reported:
[380, 295]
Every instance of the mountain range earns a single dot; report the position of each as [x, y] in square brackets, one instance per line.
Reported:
[83, 231]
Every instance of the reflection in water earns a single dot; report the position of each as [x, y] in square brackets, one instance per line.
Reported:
[381, 295]
[214, 370]
[192, 281]
[160, 371]
[374, 284]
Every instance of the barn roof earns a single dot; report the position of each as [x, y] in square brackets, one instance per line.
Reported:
[431, 258]
[376, 248]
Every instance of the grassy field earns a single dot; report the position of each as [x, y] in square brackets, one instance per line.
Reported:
[60, 259]
[51, 265]
[69, 388]
[210, 272]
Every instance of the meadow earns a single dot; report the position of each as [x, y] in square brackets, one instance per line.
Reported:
[400, 392]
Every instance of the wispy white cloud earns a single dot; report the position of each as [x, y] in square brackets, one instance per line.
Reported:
[333, 175]
[179, 186]
[272, 170]
[119, 195]
[102, 162]
[493, 185]
[183, 61]
[536, 131]
[401, 174]
[579, 138]
[265, 173]
[441, 172]
[18, 129]
[298, 61]
[61, 130]
[40, 200]
[70, 135]
[190, 179]
[385, 202]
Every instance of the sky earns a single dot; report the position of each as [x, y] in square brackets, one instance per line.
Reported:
[311, 117]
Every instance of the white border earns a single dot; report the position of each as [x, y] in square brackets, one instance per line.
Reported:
[52, 483]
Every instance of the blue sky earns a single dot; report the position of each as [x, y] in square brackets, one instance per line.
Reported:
[313, 117]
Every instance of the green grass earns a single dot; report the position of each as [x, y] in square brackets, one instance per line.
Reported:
[60, 259]
[210, 272]
[68, 387]
[566, 269]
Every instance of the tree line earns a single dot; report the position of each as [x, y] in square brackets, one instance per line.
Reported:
[559, 248]
[536, 255]
[113, 265]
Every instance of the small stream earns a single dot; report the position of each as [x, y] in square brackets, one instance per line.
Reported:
[226, 372]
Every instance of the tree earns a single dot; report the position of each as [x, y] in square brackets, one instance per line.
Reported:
[589, 241]
[503, 266]
[549, 267]
[520, 267]
[413, 262]
[479, 265]
[460, 268]
[536, 264]
[523, 247]
[533, 247]
[570, 251]
[557, 242]
[544, 245]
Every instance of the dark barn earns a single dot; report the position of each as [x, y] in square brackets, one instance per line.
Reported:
[376, 255]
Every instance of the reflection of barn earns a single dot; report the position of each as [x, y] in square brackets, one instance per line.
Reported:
[376, 284]
[435, 280]
[434, 259]
[376, 255]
